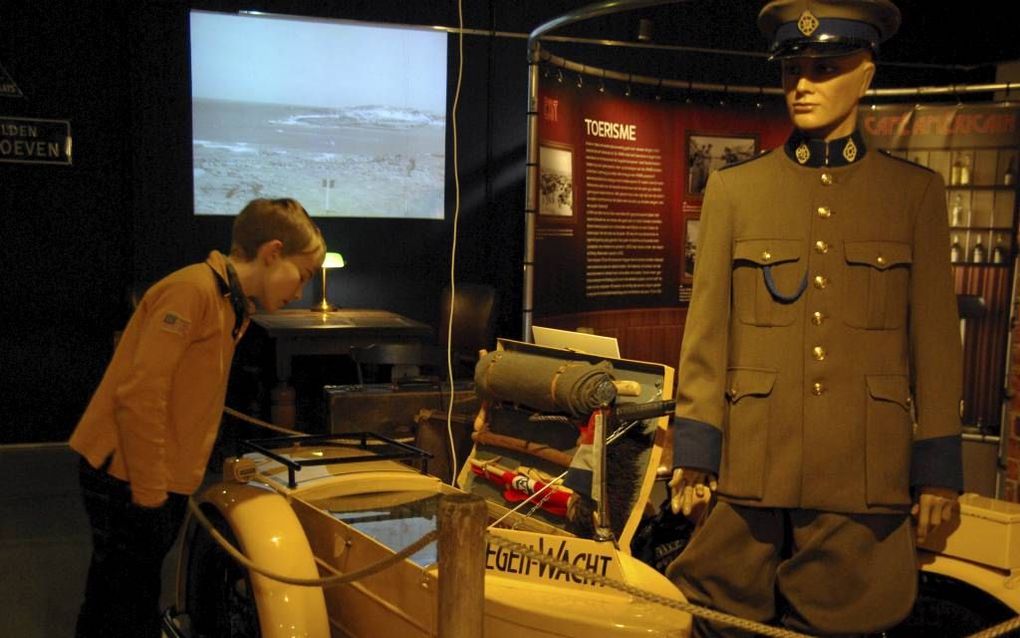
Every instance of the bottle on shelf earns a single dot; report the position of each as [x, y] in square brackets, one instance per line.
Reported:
[956, 250]
[956, 212]
[999, 252]
[977, 253]
[964, 170]
[1010, 175]
[954, 171]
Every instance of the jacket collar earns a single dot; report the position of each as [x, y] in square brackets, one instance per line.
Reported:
[815, 153]
[230, 287]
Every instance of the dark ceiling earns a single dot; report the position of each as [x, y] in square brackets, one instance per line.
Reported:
[938, 43]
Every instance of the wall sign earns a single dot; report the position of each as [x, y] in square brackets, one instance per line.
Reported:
[7, 86]
[34, 141]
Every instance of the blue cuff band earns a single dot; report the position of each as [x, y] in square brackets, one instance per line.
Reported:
[937, 462]
[696, 445]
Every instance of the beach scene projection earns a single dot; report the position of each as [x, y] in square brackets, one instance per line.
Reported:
[348, 119]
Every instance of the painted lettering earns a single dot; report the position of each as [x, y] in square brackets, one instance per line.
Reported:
[611, 130]
[19, 130]
[512, 562]
[550, 109]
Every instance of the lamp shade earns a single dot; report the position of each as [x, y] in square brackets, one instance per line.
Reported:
[333, 260]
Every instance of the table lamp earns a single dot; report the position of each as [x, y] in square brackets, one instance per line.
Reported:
[332, 260]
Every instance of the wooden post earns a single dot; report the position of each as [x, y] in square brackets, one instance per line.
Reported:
[461, 604]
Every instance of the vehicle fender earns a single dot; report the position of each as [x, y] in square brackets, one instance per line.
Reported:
[997, 583]
[270, 535]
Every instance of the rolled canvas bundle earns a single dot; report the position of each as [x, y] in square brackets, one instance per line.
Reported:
[545, 384]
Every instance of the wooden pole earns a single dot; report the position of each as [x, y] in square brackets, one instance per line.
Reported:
[461, 548]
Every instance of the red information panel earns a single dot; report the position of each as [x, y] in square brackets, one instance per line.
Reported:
[620, 188]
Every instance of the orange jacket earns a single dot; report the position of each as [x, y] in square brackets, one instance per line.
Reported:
[158, 407]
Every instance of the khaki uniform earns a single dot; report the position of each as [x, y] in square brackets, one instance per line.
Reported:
[812, 397]
[821, 360]
[158, 408]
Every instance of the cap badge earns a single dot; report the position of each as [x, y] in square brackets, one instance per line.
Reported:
[850, 151]
[803, 153]
[807, 23]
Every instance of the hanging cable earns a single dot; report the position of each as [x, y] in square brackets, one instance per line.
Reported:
[453, 246]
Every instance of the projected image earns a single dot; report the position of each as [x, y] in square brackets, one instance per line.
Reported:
[556, 181]
[348, 119]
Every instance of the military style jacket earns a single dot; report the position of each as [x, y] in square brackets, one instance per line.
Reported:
[821, 362]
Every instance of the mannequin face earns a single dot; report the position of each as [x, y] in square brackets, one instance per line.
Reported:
[822, 93]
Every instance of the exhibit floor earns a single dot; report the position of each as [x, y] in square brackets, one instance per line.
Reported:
[44, 542]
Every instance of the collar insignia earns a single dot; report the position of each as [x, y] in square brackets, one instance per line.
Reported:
[850, 151]
[803, 153]
[807, 23]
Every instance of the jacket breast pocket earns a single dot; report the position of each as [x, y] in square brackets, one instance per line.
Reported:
[768, 277]
[745, 437]
[877, 284]
[889, 438]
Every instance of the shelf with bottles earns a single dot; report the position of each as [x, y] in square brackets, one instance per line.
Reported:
[977, 168]
[981, 246]
[980, 208]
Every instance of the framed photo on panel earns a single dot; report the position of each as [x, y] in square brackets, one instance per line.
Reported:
[709, 152]
[556, 180]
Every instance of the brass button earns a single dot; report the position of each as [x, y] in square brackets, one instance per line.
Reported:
[821, 247]
[824, 212]
[826, 179]
[820, 282]
[817, 318]
[880, 260]
[818, 353]
[766, 255]
[817, 388]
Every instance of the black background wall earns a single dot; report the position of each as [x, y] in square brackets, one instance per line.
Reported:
[75, 239]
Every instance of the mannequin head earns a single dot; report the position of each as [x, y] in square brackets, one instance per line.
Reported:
[823, 93]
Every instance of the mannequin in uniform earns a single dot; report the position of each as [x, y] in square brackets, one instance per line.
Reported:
[820, 373]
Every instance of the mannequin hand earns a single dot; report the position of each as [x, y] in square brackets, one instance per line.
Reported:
[691, 491]
[934, 507]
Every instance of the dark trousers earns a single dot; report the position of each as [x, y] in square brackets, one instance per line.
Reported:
[820, 573]
[129, 544]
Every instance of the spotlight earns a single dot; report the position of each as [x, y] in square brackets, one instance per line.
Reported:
[644, 33]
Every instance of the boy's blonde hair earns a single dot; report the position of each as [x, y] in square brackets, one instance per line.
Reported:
[285, 219]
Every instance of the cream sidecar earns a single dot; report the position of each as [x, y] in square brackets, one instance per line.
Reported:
[324, 505]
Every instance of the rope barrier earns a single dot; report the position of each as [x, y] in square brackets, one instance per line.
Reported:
[998, 630]
[252, 420]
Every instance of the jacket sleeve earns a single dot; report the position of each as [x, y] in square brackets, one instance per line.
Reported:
[697, 428]
[935, 352]
[170, 315]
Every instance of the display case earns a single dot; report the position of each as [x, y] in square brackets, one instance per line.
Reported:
[981, 204]
[980, 200]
